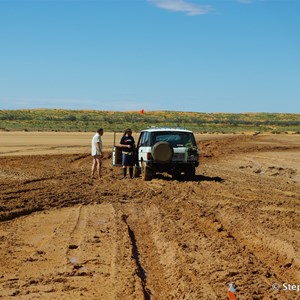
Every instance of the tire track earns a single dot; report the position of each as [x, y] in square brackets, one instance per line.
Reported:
[238, 221]
[77, 233]
[136, 256]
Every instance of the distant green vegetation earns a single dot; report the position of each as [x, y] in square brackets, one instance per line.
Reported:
[90, 120]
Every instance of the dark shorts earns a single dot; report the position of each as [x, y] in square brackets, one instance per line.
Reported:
[127, 159]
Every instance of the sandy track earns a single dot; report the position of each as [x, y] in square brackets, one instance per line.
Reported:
[26, 143]
[66, 236]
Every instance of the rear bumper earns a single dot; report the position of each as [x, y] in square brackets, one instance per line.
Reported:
[169, 167]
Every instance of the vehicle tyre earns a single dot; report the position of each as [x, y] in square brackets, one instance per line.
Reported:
[162, 152]
[190, 173]
[147, 173]
[136, 171]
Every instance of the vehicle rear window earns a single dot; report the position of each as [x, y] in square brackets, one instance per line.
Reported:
[176, 139]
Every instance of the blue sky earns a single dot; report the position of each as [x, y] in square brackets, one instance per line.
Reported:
[184, 55]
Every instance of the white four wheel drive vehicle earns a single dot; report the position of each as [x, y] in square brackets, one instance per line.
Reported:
[159, 150]
[168, 150]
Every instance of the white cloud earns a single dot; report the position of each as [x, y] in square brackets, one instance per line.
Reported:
[190, 9]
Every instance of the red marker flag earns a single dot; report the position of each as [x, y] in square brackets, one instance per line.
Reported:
[142, 111]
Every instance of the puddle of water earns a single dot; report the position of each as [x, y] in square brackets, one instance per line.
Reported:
[73, 260]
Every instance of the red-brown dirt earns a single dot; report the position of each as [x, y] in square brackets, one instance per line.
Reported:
[66, 236]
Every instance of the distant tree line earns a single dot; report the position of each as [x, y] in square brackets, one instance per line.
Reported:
[72, 120]
[147, 119]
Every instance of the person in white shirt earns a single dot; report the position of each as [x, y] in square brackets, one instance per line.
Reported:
[97, 153]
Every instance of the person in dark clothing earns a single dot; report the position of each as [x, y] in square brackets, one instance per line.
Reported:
[128, 145]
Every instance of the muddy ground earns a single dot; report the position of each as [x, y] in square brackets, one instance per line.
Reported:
[66, 236]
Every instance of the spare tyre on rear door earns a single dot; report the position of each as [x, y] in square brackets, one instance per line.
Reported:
[162, 152]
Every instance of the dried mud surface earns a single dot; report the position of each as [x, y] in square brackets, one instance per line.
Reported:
[66, 236]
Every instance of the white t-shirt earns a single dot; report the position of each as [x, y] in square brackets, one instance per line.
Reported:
[96, 139]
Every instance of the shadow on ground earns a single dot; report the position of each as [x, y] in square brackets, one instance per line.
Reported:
[197, 178]
[207, 178]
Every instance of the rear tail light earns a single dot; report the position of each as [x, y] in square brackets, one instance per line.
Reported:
[194, 156]
[148, 155]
